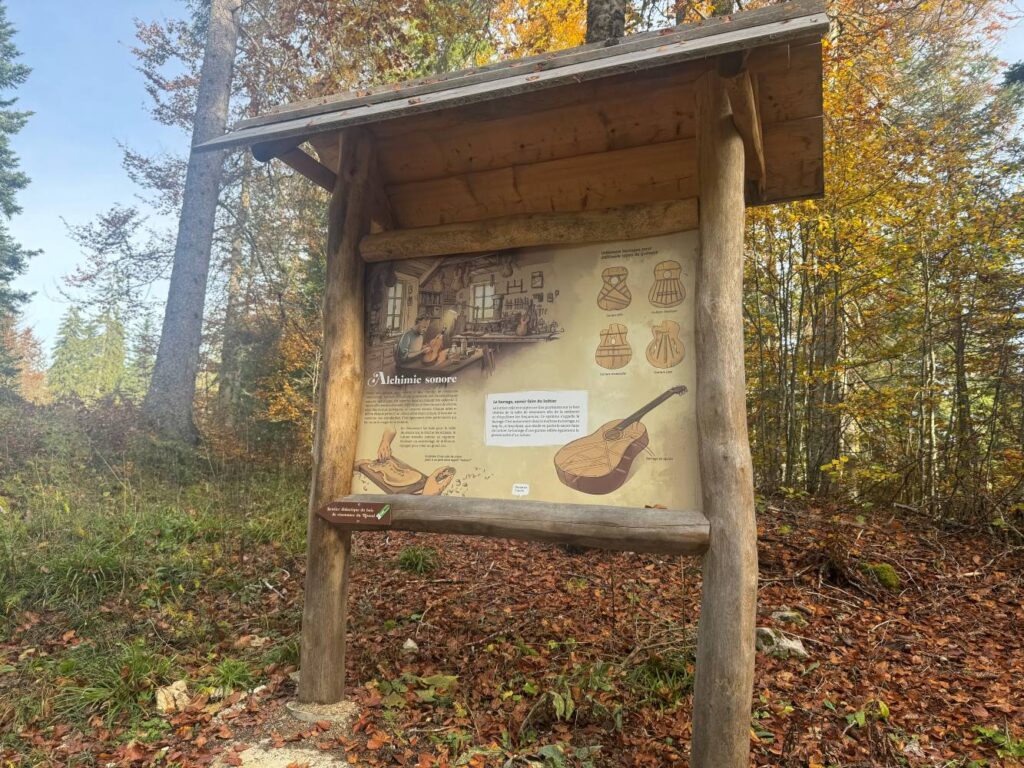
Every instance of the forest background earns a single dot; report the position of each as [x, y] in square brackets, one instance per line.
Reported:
[885, 369]
[883, 321]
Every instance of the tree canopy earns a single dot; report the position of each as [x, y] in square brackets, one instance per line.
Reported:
[883, 338]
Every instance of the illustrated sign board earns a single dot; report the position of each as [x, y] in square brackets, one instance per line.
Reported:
[547, 374]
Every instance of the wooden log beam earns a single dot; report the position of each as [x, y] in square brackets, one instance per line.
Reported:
[306, 165]
[329, 549]
[725, 637]
[662, 531]
[747, 119]
[288, 152]
[624, 223]
[268, 150]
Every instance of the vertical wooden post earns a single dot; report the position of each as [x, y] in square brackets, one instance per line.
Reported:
[328, 551]
[725, 637]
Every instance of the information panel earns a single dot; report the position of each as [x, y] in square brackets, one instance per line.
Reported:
[550, 374]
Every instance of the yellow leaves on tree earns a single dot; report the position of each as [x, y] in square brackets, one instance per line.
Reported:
[287, 396]
[526, 27]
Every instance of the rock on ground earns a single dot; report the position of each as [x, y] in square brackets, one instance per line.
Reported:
[262, 756]
[787, 616]
[777, 643]
[172, 698]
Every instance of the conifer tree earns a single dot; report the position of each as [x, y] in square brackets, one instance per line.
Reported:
[13, 256]
[141, 358]
[89, 356]
[108, 350]
[69, 355]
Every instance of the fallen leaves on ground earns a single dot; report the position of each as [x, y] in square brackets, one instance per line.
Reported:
[523, 647]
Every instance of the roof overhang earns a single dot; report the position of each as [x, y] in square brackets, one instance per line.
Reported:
[602, 125]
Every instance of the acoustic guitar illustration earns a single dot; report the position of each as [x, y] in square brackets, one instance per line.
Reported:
[614, 293]
[613, 351]
[432, 350]
[666, 348]
[599, 463]
[667, 290]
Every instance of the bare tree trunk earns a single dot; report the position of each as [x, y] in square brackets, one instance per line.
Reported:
[606, 19]
[965, 457]
[926, 417]
[229, 380]
[168, 403]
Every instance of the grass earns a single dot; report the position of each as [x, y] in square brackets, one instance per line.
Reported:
[418, 560]
[232, 675]
[74, 547]
[664, 678]
[96, 536]
[114, 683]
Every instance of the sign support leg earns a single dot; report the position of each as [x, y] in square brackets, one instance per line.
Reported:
[725, 637]
[325, 612]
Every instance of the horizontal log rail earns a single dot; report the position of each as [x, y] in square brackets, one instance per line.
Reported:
[659, 531]
[533, 229]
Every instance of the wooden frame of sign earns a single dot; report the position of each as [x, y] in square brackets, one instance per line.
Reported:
[672, 131]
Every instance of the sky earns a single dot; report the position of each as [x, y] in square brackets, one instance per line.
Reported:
[87, 97]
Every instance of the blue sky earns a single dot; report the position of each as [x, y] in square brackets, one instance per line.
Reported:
[87, 97]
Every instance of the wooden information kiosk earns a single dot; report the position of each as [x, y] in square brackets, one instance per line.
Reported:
[665, 132]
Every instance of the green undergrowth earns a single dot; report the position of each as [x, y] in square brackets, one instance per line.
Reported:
[418, 560]
[120, 561]
[77, 529]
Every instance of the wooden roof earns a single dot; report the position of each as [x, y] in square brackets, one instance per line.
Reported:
[599, 126]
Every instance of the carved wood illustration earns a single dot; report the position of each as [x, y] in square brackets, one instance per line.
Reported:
[666, 349]
[614, 351]
[614, 293]
[667, 289]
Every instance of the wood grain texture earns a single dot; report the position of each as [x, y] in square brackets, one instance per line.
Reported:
[577, 119]
[324, 615]
[725, 638]
[532, 229]
[653, 173]
[327, 146]
[309, 167]
[794, 153]
[792, 90]
[664, 531]
[747, 119]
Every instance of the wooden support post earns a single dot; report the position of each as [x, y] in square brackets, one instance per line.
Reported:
[725, 638]
[747, 118]
[324, 616]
